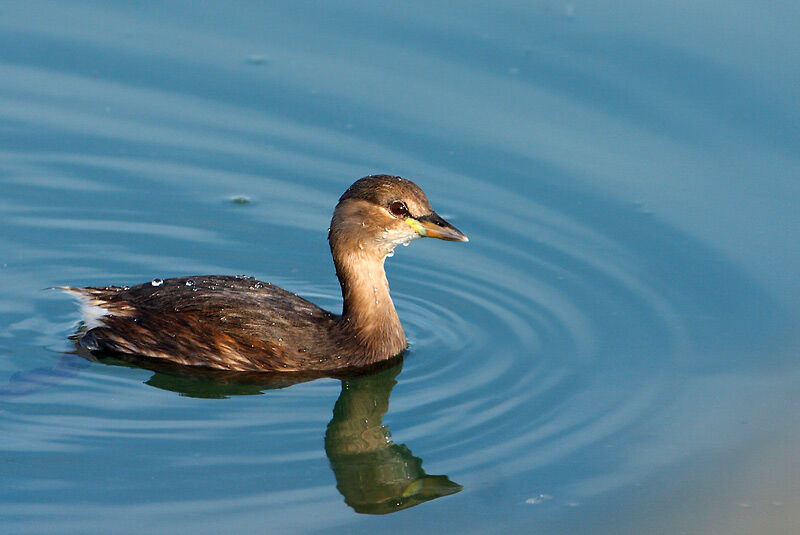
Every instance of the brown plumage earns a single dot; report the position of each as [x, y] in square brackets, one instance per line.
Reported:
[241, 324]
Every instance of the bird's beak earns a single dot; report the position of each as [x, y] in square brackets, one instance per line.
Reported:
[433, 226]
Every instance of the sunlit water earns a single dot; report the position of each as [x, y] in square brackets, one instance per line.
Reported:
[615, 350]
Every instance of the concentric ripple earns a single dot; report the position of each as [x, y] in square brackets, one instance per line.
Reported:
[610, 320]
[544, 338]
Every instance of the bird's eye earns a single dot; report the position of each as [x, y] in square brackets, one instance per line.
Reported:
[398, 208]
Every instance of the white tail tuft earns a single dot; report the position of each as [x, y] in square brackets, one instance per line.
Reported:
[91, 312]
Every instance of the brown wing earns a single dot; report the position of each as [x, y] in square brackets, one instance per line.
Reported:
[230, 323]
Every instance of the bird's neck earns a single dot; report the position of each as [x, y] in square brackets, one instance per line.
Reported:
[368, 311]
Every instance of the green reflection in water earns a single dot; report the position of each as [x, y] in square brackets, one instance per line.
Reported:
[375, 475]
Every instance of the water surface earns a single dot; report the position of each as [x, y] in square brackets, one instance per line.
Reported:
[615, 350]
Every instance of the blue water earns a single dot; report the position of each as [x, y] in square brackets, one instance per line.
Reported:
[615, 350]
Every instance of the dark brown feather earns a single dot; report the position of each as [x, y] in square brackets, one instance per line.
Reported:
[223, 322]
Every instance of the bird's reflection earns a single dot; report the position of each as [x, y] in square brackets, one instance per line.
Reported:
[375, 475]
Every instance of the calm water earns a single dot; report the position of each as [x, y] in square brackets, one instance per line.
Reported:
[615, 351]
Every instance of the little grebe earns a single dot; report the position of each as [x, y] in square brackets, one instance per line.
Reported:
[241, 324]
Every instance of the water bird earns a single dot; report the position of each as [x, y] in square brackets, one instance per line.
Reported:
[238, 323]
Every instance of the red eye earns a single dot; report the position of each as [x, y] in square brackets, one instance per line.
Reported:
[398, 208]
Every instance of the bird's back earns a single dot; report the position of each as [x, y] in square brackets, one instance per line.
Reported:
[232, 323]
